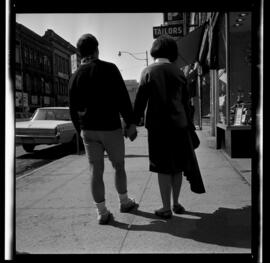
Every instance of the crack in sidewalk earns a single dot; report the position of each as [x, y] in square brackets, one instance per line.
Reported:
[133, 217]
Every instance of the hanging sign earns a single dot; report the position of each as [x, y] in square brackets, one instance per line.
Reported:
[171, 30]
[74, 63]
[170, 17]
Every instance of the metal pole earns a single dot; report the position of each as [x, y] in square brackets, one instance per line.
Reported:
[78, 142]
[146, 58]
[213, 101]
[199, 98]
[227, 48]
[22, 74]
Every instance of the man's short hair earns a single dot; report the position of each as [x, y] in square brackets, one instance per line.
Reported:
[164, 47]
[87, 45]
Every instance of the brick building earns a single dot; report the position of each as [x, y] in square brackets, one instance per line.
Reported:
[33, 70]
[61, 56]
[42, 70]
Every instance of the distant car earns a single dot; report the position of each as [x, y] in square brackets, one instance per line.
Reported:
[48, 125]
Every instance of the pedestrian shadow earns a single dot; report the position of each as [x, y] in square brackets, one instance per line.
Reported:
[225, 227]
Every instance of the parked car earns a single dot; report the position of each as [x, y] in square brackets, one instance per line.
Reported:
[48, 125]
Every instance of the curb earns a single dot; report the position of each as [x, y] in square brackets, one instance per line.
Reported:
[40, 168]
[234, 167]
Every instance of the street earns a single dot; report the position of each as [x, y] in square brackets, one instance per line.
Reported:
[43, 154]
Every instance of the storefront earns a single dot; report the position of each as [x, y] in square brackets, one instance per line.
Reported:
[229, 60]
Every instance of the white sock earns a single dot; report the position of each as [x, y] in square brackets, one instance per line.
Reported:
[101, 208]
[123, 198]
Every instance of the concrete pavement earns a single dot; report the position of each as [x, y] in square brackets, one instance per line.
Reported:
[55, 212]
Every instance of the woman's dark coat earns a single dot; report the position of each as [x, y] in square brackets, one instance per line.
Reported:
[163, 91]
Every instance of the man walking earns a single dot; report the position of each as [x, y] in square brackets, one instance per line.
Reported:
[98, 96]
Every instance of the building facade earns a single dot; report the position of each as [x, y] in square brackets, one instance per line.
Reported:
[61, 57]
[230, 68]
[33, 71]
[220, 74]
[42, 70]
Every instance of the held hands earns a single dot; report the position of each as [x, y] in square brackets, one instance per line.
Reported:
[131, 132]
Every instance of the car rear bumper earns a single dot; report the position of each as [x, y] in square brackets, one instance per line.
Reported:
[28, 139]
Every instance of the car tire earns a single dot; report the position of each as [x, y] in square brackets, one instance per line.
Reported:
[28, 147]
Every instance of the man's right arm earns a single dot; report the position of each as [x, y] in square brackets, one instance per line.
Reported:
[124, 103]
[125, 106]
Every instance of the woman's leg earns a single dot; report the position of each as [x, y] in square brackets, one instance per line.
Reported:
[165, 187]
[176, 187]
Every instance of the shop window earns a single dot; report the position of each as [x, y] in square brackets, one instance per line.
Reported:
[59, 64]
[42, 85]
[18, 82]
[222, 96]
[30, 56]
[35, 57]
[65, 66]
[240, 77]
[40, 62]
[49, 66]
[26, 56]
[17, 55]
[28, 82]
[35, 85]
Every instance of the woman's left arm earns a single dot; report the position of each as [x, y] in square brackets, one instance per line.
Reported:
[141, 97]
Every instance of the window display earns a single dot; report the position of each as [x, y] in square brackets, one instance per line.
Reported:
[222, 93]
[240, 113]
[240, 72]
[234, 93]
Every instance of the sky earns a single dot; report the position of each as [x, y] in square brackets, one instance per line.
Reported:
[130, 32]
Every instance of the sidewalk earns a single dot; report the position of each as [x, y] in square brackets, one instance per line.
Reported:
[55, 212]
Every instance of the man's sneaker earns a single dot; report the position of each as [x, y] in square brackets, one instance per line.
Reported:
[131, 204]
[104, 219]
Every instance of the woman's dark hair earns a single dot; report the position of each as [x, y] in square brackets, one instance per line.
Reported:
[164, 47]
[87, 45]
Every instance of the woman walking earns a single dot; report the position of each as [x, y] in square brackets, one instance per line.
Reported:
[163, 90]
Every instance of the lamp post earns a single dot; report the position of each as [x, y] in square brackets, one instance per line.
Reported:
[132, 54]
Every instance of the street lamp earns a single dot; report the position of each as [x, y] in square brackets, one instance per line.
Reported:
[132, 54]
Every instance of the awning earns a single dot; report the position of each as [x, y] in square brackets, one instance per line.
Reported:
[189, 47]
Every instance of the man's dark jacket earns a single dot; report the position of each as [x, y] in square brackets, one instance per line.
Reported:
[97, 96]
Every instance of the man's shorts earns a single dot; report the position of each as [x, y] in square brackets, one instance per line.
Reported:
[96, 142]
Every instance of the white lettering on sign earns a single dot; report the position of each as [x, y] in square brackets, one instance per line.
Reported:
[74, 63]
[172, 30]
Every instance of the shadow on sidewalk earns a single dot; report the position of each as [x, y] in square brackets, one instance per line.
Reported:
[225, 227]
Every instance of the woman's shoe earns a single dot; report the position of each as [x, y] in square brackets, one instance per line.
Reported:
[105, 219]
[164, 214]
[178, 209]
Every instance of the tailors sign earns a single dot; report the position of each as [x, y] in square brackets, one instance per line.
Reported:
[171, 30]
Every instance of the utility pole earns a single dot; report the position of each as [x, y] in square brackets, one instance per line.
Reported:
[21, 75]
